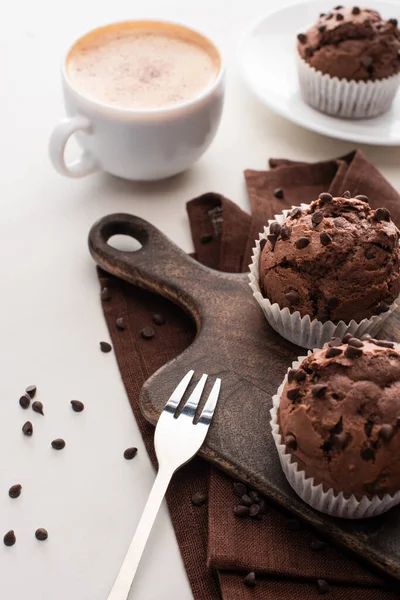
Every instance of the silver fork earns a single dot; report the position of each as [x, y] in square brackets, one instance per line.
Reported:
[176, 441]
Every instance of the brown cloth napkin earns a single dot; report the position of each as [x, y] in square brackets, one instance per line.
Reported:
[217, 548]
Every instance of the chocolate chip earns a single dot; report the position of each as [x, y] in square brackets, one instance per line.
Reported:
[370, 253]
[323, 586]
[338, 7]
[272, 238]
[325, 238]
[294, 525]
[332, 352]
[9, 539]
[241, 511]
[105, 294]
[361, 197]
[302, 38]
[382, 214]
[300, 375]
[15, 490]
[352, 352]
[317, 217]
[393, 22]
[366, 337]
[120, 323]
[321, 28]
[340, 440]
[245, 500]
[58, 444]
[317, 545]
[356, 10]
[250, 580]
[262, 244]
[347, 337]
[275, 228]
[329, 16]
[77, 405]
[291, 442]
[367, 453]
[31, 391]
[335, 342]
[319, 390]
[199, 499]
[309, 52]
[278, 193]
[254, 510]
[291, 374]
[384, 344]
[38, 407]
[325, 197]
[386, 432]
[292, 297]
[332, 303]
[295, 213]
[105, 347]
[293, 393]
[285, 232]
[41, 534]
[24, 401]
[158, 319]
[339, 17]
[367, 61]
[302, 243]
[206, 238]
[355, 342]
[362, 215]
[322, 15]
[346, 195]
[381, 308]
[147, 333]
[239, 489]
[255, 496]
[130, 453]
[27, 428]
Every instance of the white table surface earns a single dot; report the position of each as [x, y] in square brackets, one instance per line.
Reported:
[87, 496]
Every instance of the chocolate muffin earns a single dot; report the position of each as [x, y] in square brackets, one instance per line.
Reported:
[339, 416]
[337, 260]
[352, 43]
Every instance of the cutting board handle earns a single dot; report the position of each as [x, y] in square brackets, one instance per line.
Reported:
[159, 265]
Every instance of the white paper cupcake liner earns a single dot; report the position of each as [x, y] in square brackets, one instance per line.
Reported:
[328, 502]
[342, 98]
[300, 330]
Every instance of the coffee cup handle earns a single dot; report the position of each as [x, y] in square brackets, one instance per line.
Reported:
[85, 164]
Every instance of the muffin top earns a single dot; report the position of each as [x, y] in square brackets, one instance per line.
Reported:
[352, 43]
[339, 416]
[336, 260]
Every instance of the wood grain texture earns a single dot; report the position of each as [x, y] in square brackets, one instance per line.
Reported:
[234, 342]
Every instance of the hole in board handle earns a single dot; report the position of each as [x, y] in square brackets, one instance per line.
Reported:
[124, 243]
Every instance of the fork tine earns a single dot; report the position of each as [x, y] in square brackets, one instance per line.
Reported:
[209, 407]
[191, 405]
[178, 392]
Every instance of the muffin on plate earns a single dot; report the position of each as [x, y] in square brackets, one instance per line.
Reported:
[349, 62]
[327, 268]
[337, 427]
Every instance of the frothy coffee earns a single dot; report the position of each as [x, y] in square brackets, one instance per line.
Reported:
[142, 65]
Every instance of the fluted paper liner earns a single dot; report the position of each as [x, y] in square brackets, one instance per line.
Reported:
[329, 502]
[343, 98]
[300, 330]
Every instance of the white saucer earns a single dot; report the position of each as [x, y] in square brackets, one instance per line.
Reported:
[267, 62]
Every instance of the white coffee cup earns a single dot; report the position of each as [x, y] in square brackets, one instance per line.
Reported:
[137, 144]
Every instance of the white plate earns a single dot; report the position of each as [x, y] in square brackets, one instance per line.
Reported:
[267, 62]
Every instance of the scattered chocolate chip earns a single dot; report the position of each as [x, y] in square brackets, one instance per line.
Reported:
[245, 500]
[381, 308]
[386, 432]
[338, 7]
[38, 407]
[278, 193]
[272, 238]
[321, 28]
[105, 347]
[300, 375]
[27, 428]
[15, 490]
[325, 238]
[340, 440]
[317, 217]
[363, 198]
[323, 586]
[241, 511]
[130, 453]
[384, 344]
[158, 319]
[329, 16]
[41, 534]
[254, 510]
[206, 238]
[262, 244]
[199, 499]
[325, 197]
[292, 297]
[147, 333]
[120, 324]
[105, 294]
[355, 342]
[370, 253]
[302, 243]
[239, 489]
[362, 215]
[250, 580]
[339, 17]
[295, 213]
[24, 401]
[9, 539]
[254, 496]
[294, 525]
[31, 391]
[317, 545]
[291, 442]
[319, 390]
[322, 15]
[333, 342]
[347, 337]
[352, 352]
[393, 22]
[302, 38]
[367, 61]
[58, 444]
[382, 214]
[367, 453]
[285, 233]
[291, 374]
[275, 228]
[346, 195]
[332, 303]
[366, 337]
[309, 52]
[293, 394]
[356, 10]
[332, 352]
[77, 405]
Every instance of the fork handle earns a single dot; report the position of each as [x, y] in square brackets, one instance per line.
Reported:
[123, 582]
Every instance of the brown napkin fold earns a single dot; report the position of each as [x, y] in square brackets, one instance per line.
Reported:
[211, 539]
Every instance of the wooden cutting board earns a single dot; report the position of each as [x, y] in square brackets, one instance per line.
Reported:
[234, 342]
